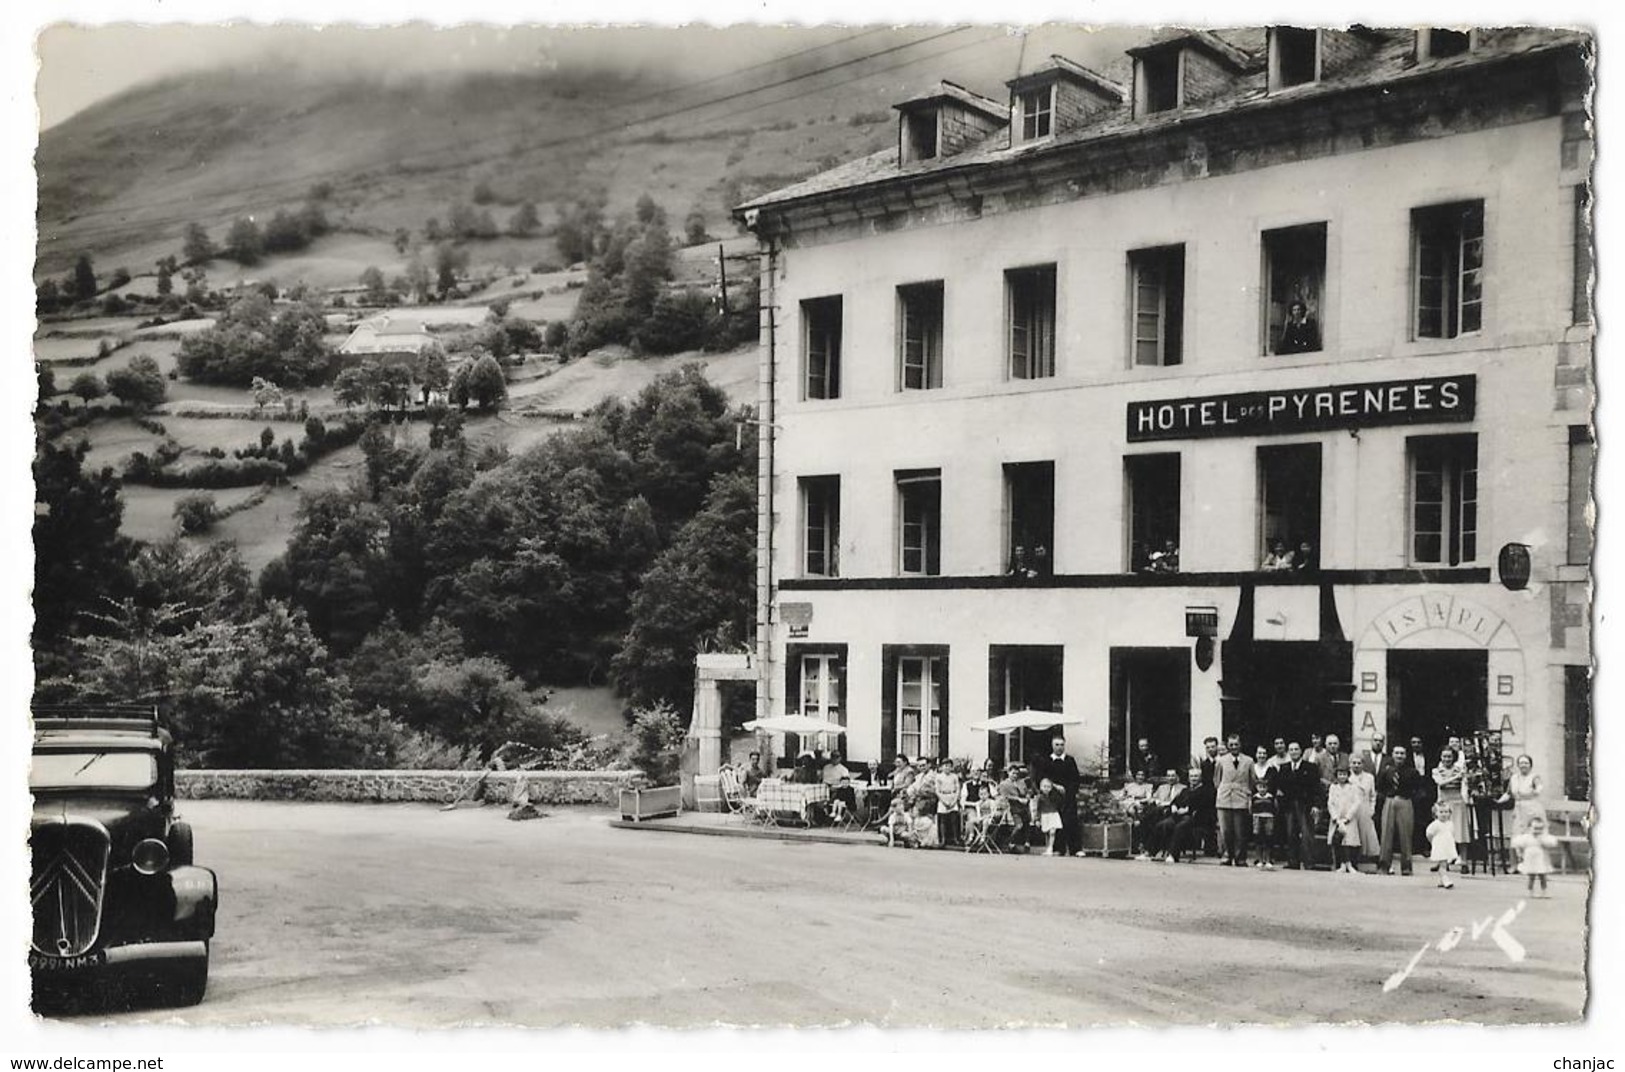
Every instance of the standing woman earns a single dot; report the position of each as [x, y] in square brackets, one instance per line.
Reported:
[1523, 789]
[1451, 779]
[1365, 816]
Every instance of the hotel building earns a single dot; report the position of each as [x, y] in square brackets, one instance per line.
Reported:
[1043, 385]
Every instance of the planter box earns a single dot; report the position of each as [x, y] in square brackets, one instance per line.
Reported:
[1105, 839]
[658, 803]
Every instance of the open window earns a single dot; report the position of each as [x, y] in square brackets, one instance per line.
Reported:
[919, 330]
[821, 526]
[821, 342]
[919, 511]
[1438, 44]
[1289, 506]
[1444, 500]
[1157, 295]
[1294, 288]
[1156, 81]
[1022, 677]
[1294, 58]
[1152, 489]
[1029, 492]
[1449, 258]
[1582, 460]
[919, 135]
[1030, 301]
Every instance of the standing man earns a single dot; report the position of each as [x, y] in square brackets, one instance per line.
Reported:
[1404, 786]
[1233, 799]
[1332, 759]
[1062, 771]
[1296, 784]
[1375, 760]
[1423, 804]
[1203, 818]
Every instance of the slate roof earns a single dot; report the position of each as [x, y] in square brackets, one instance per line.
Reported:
[953, 91]
[1391, 59]
[1060, 65]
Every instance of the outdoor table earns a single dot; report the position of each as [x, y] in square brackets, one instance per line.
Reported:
[776, 798]
[873, 802]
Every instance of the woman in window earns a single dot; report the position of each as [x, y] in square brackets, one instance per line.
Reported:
[1279, 558]
[1300, 334]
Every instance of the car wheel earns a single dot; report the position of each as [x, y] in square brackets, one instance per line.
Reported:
[185, 983]
[180, 845]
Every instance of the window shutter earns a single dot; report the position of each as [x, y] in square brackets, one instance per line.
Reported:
[939, 674]
[888, 707]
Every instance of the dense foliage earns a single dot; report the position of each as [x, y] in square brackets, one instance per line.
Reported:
[253, 338]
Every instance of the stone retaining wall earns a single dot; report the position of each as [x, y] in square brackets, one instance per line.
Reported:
[380, 786]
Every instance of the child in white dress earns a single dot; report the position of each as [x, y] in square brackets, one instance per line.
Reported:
[1534, 849]
[1441, 834]
[1049, 814]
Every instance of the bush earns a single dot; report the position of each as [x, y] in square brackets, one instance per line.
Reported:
[657, 743]
[196, 513]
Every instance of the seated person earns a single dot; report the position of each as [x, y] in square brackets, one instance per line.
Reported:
[1160, 839]
[1303, 559]
[843, 799]
[902, 776]
[1165, 560]
[806, 770]
[752, 775]
[834, 770]
[1192, 828]
[1278, 558]
[1137, 793]
[923, 833]
[1153, 811]
[898, 827]
[876, 775]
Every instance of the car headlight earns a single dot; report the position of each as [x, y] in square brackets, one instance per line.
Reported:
[150, 856]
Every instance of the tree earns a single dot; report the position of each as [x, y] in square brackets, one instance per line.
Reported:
[483, 194]
[352, 388]
[487, 387]
[402, 239]
[197, 247]
[84, 278]
[47, 296]
[373, 280]
[80, 557]
[448, 260]
[244, 243]
[285, 233]
[196, 514]
[119, 278]
[649, 211]
[265, 394]
[694, 226]
[418, 277]
[433, 370]
[166, 271]
[698, 596]
[88, 386]
[139, 384]
[253, 338]
[524, 222]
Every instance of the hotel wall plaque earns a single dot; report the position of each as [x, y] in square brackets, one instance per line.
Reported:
[1434, 400]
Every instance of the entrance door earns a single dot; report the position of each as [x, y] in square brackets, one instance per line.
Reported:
[1151, 698]
[1436, 694]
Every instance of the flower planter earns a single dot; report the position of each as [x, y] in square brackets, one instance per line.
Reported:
[1105, 839]
[661, 802]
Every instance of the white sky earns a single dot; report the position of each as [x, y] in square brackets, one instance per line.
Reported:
[85, 66]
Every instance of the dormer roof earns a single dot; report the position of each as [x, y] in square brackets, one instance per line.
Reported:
[953, 92]
[1239, 59]
[1059, 68]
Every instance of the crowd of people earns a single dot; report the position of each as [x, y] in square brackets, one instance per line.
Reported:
[1283, 805]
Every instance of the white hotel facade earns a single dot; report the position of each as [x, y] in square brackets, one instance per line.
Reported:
[1044, 338]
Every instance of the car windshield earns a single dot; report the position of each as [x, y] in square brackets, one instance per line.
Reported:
[93, 770]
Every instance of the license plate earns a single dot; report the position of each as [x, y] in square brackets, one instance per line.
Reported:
[41, 962]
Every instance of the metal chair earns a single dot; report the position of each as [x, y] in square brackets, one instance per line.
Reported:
[980, 829]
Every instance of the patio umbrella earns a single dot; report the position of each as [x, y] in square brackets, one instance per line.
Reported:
[1026, 719]
[802, 724]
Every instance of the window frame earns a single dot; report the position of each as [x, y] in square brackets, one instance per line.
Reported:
[1456, 494]
[1031, 292]
[1264, 455]
[1168, 326]
[821, 494]
[919, 301]
[909, 484]
[1017, 476]
[1036, 113]
[821, 347]
[1143, 69]
[1582, 462]
[932, 709]
[1277, 65]
[1448, 224]
[1006, 694]
[1133, 466]
[1426, 47]
[913, 125]
[1270, 241]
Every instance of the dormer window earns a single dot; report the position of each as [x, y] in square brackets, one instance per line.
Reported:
[1294, 57]
[1157, 82]
[920, 135]
[1037, 113]
[1436, 44]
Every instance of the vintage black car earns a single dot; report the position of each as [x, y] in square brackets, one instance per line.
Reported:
[114, 888]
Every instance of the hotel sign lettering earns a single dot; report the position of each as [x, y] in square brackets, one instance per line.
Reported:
[1305, 409]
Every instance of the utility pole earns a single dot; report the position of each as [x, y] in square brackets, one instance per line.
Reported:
[722, 269]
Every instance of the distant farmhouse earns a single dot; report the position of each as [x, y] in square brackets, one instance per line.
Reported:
[385, 340]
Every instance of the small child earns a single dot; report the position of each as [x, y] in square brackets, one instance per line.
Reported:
[1049, 814]
[1342, 802]
[897, 824]
[1441, 834]
[1534, 854]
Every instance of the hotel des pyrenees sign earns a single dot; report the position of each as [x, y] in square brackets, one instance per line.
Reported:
[1306, 409]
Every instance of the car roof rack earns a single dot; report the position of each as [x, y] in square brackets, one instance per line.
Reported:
[115, 717]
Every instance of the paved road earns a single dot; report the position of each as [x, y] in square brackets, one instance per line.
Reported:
[405, 915]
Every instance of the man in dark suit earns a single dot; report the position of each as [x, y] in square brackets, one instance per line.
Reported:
[1062, 771]
[1297, 783]
[1375, 760]
[1144, 759]
[1404, 786]
[1205, 818]
[1423, 804]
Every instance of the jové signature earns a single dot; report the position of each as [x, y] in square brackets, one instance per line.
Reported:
[1453, 937]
